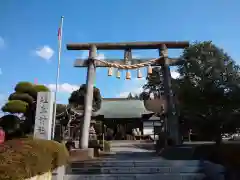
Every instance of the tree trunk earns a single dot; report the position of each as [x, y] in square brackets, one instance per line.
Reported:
[30, 119]
[218, 141]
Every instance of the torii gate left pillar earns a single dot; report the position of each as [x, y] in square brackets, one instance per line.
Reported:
[91, 73]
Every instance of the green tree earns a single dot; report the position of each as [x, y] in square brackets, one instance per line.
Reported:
[154, 84]
[23, 101]
[130, 96]
[61, 108]
[77, 98]
[62, 116]
[209, 86]
[136, 96]
[77, 101]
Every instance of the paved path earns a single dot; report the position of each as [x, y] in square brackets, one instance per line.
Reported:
[137, 161]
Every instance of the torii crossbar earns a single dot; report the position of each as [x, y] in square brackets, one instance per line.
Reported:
[129, 45]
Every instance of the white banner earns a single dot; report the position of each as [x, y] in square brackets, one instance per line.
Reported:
[44, 115]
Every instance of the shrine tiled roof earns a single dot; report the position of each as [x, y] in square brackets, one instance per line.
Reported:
[122, 108]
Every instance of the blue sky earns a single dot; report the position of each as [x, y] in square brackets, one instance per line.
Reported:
[28, 36]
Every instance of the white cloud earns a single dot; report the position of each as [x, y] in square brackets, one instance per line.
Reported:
[2, 42]
[65, 87]
[175, 74]
[45, 52]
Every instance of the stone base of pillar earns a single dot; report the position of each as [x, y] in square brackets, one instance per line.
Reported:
[81, 154]
[175, 137]
[173, 130]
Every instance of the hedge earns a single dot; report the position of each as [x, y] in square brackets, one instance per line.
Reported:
[226, 154]
[24, 158]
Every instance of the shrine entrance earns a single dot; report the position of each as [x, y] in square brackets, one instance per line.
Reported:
[126, 119]
[123, 129]
[129, 63]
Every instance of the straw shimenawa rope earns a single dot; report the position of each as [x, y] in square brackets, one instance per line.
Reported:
[134, 66]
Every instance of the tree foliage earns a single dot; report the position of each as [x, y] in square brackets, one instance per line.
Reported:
[131, 96]
[77, 98]
[154, 82]
[23, 101]
[154, 86]
[209, 75]
[23, 98]
[61, 108]
[9, 122]
[15, 106]
[209, 85]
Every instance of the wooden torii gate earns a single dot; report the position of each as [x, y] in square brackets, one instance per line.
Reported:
[128, 63]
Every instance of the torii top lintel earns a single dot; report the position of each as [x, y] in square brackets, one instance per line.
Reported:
[129, 45]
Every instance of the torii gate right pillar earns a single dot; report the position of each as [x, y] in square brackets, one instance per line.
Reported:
[172, 123]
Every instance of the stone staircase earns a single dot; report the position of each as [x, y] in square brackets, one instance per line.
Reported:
[133, 160]
[143, 169]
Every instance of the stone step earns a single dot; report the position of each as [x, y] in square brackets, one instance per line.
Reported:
[153, 159]
[150, 163]
[183, 176]
[135, 170]
[183, 168]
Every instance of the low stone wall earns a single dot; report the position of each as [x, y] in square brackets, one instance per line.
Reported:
[57, 174]
[81, 154]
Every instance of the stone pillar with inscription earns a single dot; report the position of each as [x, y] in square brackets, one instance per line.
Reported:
[44, 116]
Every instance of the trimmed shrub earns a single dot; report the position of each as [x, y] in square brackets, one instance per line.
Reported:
[24, 158]
[12, 127]
[15, 106]
[10, 123]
